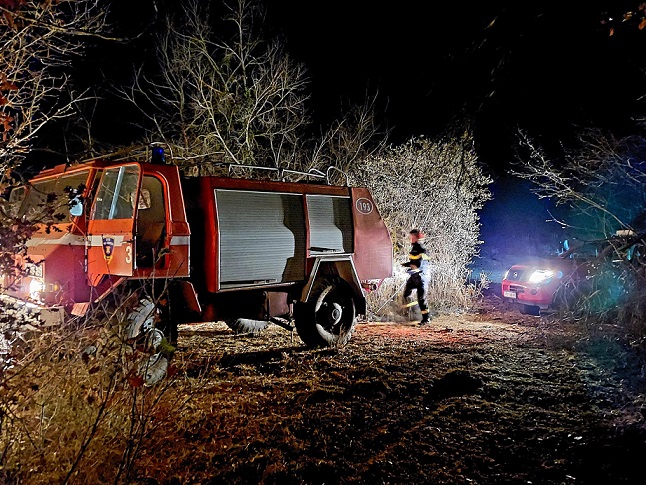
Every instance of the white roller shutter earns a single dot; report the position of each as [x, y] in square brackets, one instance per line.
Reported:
[330, 224]
[261, 237]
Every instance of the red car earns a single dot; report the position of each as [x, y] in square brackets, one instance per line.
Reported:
[534, 284]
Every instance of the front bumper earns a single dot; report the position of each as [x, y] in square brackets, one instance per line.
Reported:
[28, 313]
[540, 296]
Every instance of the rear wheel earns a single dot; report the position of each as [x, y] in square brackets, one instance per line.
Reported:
[328, 318]
[246, 325]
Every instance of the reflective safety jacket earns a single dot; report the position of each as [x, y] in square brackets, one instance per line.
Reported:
[418, 256]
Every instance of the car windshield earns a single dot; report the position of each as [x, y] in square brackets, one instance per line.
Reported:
[617, 248]
[584, 250]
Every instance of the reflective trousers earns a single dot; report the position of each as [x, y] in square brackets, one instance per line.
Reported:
[416, 283]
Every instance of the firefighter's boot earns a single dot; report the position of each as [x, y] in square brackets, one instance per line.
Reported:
[425, 319]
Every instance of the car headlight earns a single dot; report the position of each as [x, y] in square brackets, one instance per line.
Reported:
[541, 276]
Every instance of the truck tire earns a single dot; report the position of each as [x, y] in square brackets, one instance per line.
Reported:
[155, 337]
[145, 313]
[147, 316]
[328, 318]
[246, 325]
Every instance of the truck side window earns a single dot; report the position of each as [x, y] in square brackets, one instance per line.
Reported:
[151, 221]
[36, 199]
[144, 198]
[113, 198]
[69, 190]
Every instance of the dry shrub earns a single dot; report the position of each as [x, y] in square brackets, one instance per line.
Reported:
[598, 187]
[384, 303]
[73, 407]
[436, 187]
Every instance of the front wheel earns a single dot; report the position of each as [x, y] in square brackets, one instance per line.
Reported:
[143, 326]
[328, 318]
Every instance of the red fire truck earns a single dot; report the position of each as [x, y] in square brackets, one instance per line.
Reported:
[242, 251]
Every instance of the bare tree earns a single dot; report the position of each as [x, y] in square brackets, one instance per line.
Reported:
[601, 181]
[347, 142]
[238, 99]
[38, 40]
[230, 97]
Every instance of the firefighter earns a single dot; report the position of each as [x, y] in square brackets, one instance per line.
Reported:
[417, 264]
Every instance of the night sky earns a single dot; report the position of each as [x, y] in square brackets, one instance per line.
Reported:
[545, 67]
[549, 68]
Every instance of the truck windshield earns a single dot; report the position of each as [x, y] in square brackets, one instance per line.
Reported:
[54, 191]
[117, 193]
[16, 198]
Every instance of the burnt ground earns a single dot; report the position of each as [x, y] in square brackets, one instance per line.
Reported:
[488, 396]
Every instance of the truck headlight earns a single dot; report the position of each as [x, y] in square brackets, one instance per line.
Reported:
[36, 287]
[541, 276]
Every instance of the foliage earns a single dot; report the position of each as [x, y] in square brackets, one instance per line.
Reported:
[233, 100]
[600, 181]
[622, 19]
[602, 185]
[436, 187]
[38, 40]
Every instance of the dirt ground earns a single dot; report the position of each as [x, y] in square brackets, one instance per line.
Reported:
[488, 396]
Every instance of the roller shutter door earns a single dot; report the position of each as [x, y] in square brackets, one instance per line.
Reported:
[330, 221]
[261, 237]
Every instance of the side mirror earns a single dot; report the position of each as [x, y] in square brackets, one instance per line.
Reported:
[76, 207]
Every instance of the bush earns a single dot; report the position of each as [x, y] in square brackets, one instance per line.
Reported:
[436, 187]
[73, 405]
[598, 188]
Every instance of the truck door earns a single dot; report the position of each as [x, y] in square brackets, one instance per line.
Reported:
[150, 226]
[112, 224]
